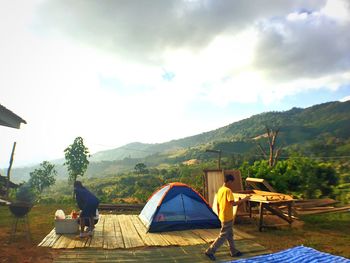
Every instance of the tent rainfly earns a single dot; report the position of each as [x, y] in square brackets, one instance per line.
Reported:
[176, 206]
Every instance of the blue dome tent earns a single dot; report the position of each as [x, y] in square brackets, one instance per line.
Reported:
[177, 206]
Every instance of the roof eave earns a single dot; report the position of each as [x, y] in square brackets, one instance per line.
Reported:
[10, 119]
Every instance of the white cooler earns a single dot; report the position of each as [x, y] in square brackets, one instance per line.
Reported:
[66, 226]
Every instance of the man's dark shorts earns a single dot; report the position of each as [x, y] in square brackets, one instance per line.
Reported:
[89, 210]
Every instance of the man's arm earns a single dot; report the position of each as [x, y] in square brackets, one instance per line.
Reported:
[245, 199]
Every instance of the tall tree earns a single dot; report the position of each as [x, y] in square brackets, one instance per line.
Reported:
[76, 156]
[274, 152]
[43, 177]
[141, 168]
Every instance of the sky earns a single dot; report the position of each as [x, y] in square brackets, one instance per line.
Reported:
[122, 71]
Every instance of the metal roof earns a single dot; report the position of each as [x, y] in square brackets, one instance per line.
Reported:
[10, 119]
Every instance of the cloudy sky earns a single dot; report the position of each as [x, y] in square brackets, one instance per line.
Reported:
[121, 71]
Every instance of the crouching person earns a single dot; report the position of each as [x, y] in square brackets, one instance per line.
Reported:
[88, 203]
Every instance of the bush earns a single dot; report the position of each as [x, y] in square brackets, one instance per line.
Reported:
[25, 194]
[302, 177]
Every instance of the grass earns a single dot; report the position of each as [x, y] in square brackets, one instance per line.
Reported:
[41, 219]
[332, 221]
[326, 232]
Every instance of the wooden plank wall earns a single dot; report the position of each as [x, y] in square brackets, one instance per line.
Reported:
[215, 180]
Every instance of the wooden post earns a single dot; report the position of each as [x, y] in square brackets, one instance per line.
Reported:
[261, 215]
[9, 170]
[290, 213]
[205, 186]
[250, 209]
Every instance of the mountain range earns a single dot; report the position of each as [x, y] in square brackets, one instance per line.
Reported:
[320, 129]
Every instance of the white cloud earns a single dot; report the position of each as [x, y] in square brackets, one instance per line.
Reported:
[308, 47]
[339, 10]
[92, 72]
[347, 98]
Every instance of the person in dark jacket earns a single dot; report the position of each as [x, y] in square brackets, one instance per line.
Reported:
[88, 203]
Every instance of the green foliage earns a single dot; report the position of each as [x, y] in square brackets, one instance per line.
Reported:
[318, 131]
[43, 177]
[342, 191]
[301, 176]
[25, 194]
[76, 156]
[128, 187]
[141, 168]
[321, 132]
[297, 126]
[61, 200]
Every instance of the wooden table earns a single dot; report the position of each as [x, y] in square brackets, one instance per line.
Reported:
[270, 201]
[273, 207]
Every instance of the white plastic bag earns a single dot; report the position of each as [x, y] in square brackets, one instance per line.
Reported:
[60, 214]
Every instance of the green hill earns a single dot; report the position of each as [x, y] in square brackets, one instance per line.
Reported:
[322, 130]
[297, 126]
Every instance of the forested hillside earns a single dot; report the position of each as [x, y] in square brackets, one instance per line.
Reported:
[318, 123]
[321, 130]
[313, 162]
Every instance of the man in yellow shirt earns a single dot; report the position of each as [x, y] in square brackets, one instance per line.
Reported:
[225, 202]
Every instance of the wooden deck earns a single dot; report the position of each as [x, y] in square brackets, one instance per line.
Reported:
[127, 231]
[169, 254]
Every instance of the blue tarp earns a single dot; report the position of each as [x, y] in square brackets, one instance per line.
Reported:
[298, 254]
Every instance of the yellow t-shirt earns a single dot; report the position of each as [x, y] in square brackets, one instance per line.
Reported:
[224, 196]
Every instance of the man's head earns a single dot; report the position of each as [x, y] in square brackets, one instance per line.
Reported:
[229, 178]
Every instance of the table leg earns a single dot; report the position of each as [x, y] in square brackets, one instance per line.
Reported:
[290, 213]
[250, 209]
[261, 213]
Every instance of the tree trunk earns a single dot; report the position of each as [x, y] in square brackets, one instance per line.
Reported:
[274, 153]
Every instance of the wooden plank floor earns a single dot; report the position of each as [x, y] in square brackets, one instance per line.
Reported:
[169, 254]
[127, 231]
